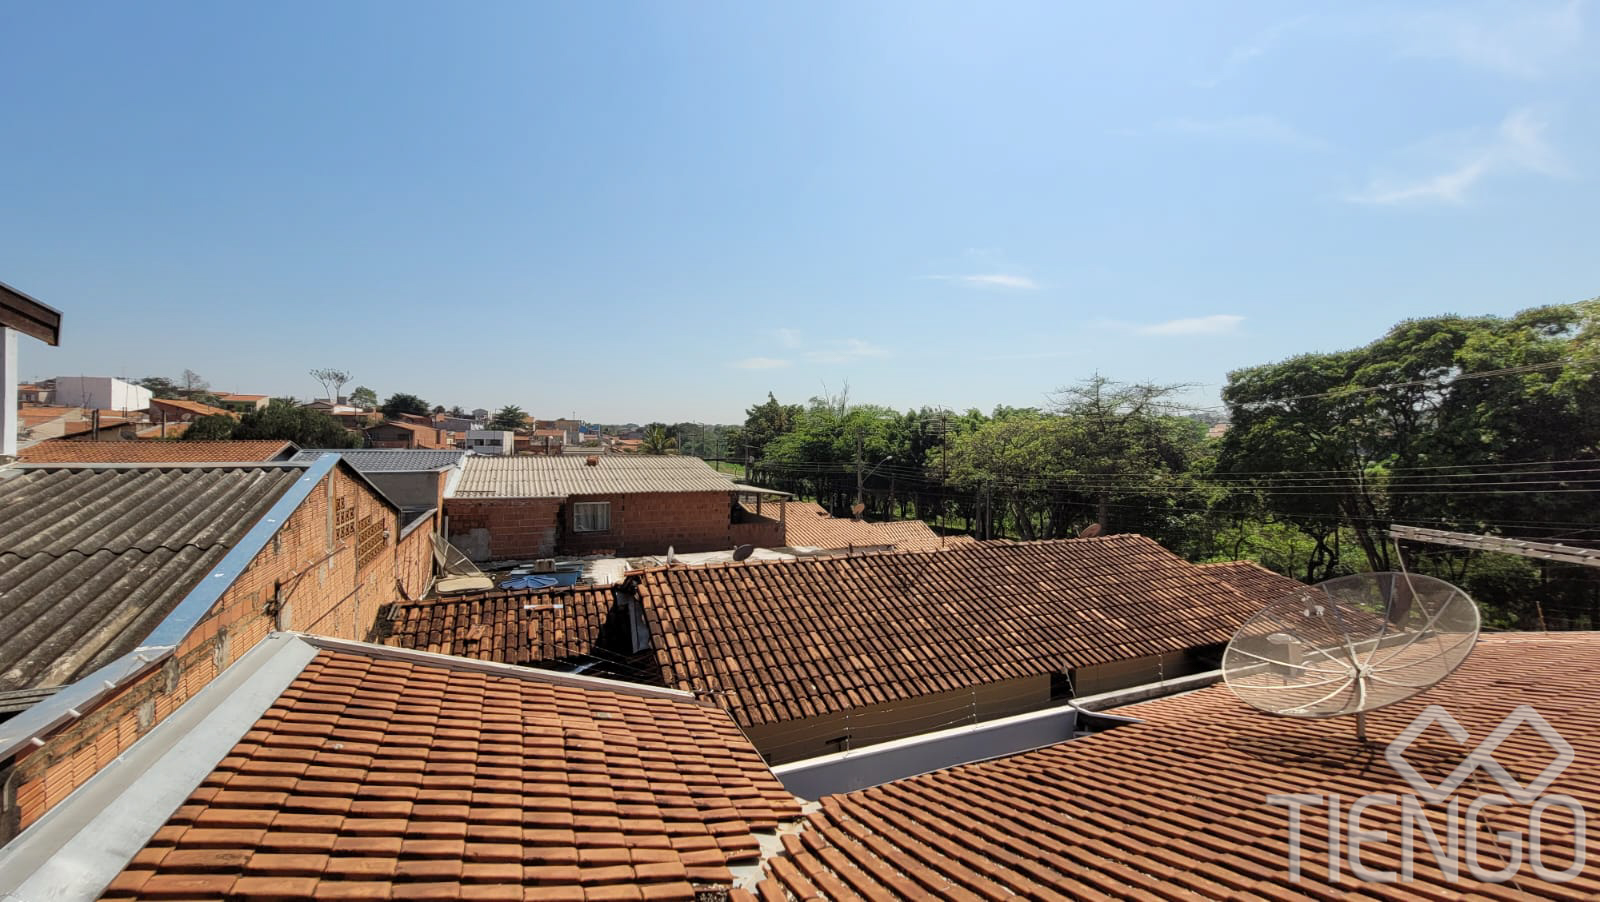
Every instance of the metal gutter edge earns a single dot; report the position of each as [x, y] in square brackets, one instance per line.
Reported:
[431, 514]
[1099, 704]
[454, 662]
[69, 703]
[80, 845]
[194, 606]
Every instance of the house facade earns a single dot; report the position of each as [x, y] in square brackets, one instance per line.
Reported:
[243, 403]
[537, 506]
[397, 434]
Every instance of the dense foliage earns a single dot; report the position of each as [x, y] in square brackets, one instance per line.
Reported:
[402, 403]
[1478, 424]
[282, 419]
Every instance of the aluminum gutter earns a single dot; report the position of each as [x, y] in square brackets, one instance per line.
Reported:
[194, 606]
[80, 845]
[73, 699]
[453, 662]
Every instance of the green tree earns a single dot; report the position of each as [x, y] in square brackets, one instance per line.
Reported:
[159, 387]
[657, 441]
[402, 403]
[763, 423]
[332, 380]
[218, 427]
[510, 417]
[281, 419]
[364, 398]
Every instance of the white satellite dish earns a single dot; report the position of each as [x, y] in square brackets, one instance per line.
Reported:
[1351, 645]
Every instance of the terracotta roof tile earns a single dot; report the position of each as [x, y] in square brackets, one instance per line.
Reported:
[1175, 806]
[1254, 580]
[192, 407]
[495, 768]
[154, 452]
[523, 627]
[784, 640]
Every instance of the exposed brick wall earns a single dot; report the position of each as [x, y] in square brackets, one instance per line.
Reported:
[651, 523]
[490, 529]
[314, 575]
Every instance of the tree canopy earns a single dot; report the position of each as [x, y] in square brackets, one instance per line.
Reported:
[363, 397]
[402, 403]
[282, 419]
[509, 418]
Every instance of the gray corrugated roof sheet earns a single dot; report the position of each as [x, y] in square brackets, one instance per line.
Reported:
[93, 558]
[379, 460]
[561, 476]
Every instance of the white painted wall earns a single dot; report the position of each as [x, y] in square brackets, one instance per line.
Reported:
[100, 392]
[491, 441]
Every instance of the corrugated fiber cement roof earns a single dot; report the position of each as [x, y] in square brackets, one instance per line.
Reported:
[92, 559]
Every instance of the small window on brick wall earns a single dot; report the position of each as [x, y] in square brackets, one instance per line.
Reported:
[344, 517]
[591, 516]
[370, 541]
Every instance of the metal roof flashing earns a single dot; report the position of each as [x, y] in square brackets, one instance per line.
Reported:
[69, 702]
[200, 599]
[78, 847]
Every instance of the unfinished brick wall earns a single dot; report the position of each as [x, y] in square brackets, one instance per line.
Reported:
[306, 578]
[498, 529]
[651, 523]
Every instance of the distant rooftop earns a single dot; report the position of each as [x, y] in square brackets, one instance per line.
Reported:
[388, 460]
[155, 451]
[613, 474]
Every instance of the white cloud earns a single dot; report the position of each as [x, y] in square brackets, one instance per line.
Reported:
[1524, 39]
[1519, 144]
[992, 280]
[789, 338]
[845, 350]
[761, 363]
[1253, 129]
[1245, 54]
[1216, 324]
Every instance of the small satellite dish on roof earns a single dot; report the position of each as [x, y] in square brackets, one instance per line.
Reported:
[1351, 645]
[857, 508]
[743, 552]
[1090, 531]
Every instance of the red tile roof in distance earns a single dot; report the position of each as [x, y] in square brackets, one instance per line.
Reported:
[58, 452]
[373, 778]
[1254, 580]
[1175, 806]
[792, 639]
[512, 627]
[194, 407]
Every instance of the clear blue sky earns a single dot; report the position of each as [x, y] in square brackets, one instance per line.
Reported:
[663, 211]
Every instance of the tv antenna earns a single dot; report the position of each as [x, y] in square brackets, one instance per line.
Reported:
[1351, 645]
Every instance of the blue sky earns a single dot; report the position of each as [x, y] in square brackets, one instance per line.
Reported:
[663, 211]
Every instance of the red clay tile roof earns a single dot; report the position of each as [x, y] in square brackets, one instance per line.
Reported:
[231, 397]
[154, 452]
[1254, 580]
[911, 535]
[497, 626]
[375, 778]
[792, 639]
[194, 407]
[1175, 806]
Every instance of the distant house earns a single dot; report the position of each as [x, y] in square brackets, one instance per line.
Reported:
[65, 452]
[31, 395]
[19, 315]
[456, 424]
[535, 506]
[243, 403]
[174, 410]
[398, 434]
[101, 393]
[415, 480]
[491, 441]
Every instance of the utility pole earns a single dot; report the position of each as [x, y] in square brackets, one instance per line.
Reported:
[860, 505]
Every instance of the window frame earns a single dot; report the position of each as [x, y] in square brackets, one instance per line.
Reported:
[578, 521]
